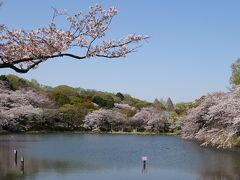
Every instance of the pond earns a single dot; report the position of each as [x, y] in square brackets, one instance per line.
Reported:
[93, 157]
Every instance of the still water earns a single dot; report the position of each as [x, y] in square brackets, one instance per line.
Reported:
[108, 157]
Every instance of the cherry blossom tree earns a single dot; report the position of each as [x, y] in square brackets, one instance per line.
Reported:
[22, 50]
[24, 109]
[150, 119]
[216, 121]
[105, 120]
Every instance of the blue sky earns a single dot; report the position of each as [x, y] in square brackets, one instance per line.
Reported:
[192, 46]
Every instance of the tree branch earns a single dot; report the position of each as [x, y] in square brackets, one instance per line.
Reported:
[22, 50]
[45, 58]
[38, 60]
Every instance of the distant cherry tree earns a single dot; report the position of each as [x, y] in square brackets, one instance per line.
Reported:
[150, 119]
[22, 50]
[105, 120]
[24, 108]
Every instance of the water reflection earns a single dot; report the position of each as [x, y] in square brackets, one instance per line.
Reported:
[104, 156]
[223, 166]
[9, 169]
[144, 168]
[220, 164]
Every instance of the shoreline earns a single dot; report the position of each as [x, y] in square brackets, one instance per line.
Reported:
[175, 134]
[91, 132]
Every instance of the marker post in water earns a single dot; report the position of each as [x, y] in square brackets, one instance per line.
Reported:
[15, 156]
[144, 160]
[22, 165]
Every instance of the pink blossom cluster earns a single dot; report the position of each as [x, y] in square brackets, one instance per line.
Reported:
[23, 50]
[147, 119]
[124, 106]
[21, 97]
[104, 120]
[216, 121]
[24, 104]
[151, 119]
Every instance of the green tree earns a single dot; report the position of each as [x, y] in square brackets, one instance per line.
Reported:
[120, 95]
[16, 82]
[104, 101]
[182, 107]
[63, 94]
[35, 83]
[235, 77]
[74, 115]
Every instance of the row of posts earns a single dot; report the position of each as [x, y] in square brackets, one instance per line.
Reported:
[144, 160]
[16, 160]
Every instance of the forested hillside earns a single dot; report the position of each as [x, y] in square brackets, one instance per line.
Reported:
[28, 106]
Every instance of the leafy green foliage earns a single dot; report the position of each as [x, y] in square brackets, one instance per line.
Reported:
[120, 95]
[16, 82]
[104, 101]
[63, 94]
[60, 98]
[235, 77]
[182, 108]
[135, 102]
[128, 112]
[74, 114]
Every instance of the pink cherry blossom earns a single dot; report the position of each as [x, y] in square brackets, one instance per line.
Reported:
[216, 121]
[23, 50]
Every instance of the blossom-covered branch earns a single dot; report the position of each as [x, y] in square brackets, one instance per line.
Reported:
[22, 50]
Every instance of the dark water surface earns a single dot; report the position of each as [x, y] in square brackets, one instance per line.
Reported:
[108, 157]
